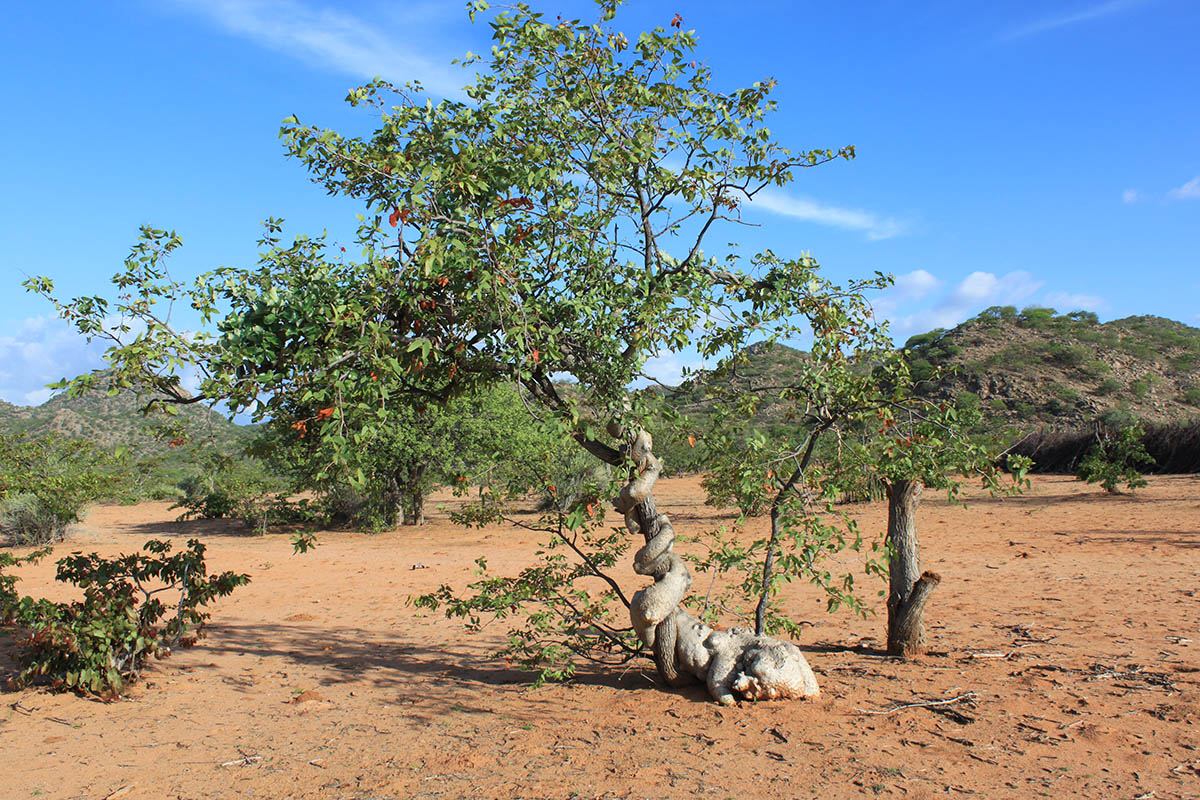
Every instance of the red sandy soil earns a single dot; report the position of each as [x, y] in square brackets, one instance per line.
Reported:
[1071, 617]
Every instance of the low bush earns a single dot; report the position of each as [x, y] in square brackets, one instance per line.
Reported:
[1116, 459]
[101, 643]
[45, 484]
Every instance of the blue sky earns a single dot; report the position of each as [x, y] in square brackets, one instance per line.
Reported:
[1024, 153]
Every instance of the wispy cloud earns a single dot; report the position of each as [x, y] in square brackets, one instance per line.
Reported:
[1131, 196]
[1189, 191]
[971, 295]
[43, 350]
[810, 210]
[333, 39]
[912, 287]
[1092, 12]
[667, 368]
[1071, 301]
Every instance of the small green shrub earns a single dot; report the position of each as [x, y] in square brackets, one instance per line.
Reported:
[1115, 459]
[1140, 388]
[101, 643]
[994, 313]
[997, 403]
[233, 489]
[1055, 406]
[1066, 394]
[1191, 395]
[1109, 386]
[45, 484]
[1067, 355]
[1035, 317]
[1096, 368]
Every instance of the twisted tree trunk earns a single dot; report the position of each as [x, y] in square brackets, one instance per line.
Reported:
[908, 588]
[685, 649]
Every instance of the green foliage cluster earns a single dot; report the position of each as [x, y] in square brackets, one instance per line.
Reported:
[546, 234]
[46, 482]
[1116, 458]
[565, 606]
[101, 643]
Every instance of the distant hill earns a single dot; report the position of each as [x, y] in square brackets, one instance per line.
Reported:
[111, 421]
[1039, 368]
[1026, 369]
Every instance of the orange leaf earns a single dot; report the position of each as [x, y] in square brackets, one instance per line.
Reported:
[394, 217]
[691, 441]
[536, 356]
[325, 413]
[676, 21]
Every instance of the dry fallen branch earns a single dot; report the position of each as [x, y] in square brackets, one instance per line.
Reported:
[926, 704]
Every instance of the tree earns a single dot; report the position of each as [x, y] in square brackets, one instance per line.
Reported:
[46, 482]
[550, 227]
[1115, 459]
[921, 444]
[856, 389]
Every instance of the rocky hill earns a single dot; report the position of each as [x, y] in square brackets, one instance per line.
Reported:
[1027, 369]
[111, 421]
[1038, 368]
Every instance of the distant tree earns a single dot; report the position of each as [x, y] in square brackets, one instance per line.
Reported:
[1115, 458]
[46, 482]
[859, 391]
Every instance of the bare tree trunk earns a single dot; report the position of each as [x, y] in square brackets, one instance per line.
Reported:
[414, 508]
[909, 588]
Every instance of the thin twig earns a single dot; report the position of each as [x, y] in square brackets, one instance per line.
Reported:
[967, 696]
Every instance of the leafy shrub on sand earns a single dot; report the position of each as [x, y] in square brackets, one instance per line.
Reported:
[45, 484]
[99, 644]
[1115, 459]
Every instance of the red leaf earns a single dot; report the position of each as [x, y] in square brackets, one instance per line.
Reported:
[676, 21]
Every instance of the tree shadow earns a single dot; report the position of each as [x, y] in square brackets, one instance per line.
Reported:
[186, 529]
[1188, 540]
[859, 649]
[438, 674]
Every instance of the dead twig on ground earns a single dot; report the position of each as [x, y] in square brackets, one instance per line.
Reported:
[925, 704]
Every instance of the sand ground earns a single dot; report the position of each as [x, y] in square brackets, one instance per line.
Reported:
[1071, 616]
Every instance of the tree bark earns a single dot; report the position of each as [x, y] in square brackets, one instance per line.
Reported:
[414, 495]
[908, 589]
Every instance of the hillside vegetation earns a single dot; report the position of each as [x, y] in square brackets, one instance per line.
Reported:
[1039, 368]
[116, 421]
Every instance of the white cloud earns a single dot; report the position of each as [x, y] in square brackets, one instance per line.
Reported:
[667, 368]
[812, 211]
[1069, 301]
[1189, 191]
[971, 295]
[907, 288]
[334, 39]
[1084, 15]
[43, 350]
[985, 288]
[1131, 196]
